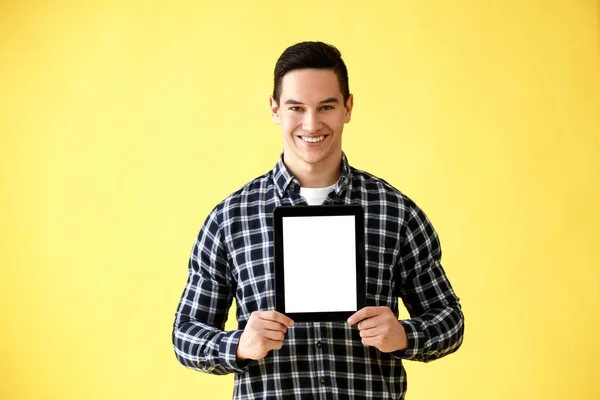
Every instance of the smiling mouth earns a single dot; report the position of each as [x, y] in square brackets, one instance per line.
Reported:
[313, 139]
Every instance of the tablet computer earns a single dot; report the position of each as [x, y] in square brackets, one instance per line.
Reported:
[319, 262]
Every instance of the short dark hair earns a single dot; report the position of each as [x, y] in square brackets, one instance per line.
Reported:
[311, 55]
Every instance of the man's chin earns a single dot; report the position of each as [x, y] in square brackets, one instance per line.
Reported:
[312, 157]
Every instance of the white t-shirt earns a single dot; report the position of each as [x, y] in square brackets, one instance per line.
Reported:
[315, 196]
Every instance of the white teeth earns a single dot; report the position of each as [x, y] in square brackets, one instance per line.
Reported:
[311, 139]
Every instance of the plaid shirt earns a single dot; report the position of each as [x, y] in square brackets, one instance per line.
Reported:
[233, 256]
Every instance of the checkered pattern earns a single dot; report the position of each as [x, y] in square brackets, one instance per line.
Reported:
[233, 257]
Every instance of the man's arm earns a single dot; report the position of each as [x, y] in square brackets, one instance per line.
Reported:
[436, 326]
[199, 340]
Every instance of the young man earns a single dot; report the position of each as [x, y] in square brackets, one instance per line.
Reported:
[233, 256]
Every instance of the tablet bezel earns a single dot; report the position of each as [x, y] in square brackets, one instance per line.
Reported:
[319, 211]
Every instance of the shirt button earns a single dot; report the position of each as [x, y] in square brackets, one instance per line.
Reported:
[323, 380]
[319, 344]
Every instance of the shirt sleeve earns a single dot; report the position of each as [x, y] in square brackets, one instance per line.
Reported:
[436, 326]
[199, 339]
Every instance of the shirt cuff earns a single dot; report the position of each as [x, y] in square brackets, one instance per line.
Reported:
[228, 349]
[416, 340]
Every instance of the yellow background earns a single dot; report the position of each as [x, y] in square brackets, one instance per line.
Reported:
[123, 123]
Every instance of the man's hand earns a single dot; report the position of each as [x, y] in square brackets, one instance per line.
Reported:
[379, 327]
[264, 332]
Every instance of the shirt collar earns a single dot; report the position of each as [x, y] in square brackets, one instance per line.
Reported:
[284, 180]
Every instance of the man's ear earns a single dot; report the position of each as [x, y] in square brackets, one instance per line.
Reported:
[349, 105]
[274, 110]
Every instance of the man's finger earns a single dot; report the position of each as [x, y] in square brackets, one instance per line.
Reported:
[369, 333]
[277, 317]
[274, 326]
[274, 335]
[363, 313]
[369, 323]
[275, 344]
[371, 341]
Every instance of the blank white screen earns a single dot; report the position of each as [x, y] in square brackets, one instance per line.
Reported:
[319, 255]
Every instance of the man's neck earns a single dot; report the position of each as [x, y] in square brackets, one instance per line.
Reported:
[323, 174]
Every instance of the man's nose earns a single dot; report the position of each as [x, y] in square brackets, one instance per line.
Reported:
[311, 122]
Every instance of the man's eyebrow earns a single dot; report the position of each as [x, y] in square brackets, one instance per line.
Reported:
[328, 100]
[292, 101]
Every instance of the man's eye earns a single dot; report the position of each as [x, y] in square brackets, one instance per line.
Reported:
[327, 108]
[295, 108]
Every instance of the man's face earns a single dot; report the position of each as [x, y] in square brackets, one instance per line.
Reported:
[312, 114]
